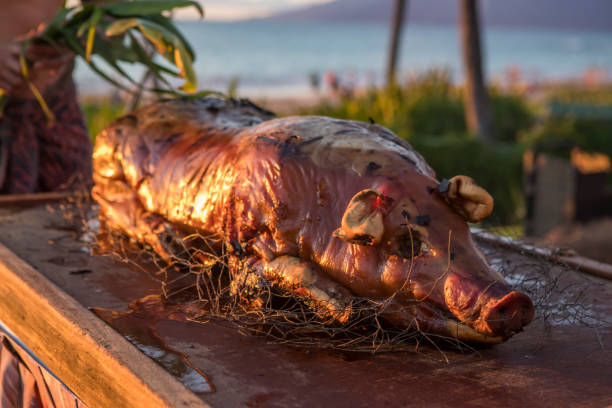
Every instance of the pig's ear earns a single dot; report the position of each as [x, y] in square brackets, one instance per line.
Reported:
[362, 222]
[469, 199]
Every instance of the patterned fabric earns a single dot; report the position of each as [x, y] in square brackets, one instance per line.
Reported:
[39, 156]
[26, 383]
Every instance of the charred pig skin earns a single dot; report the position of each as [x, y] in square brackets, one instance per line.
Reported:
[326, 208]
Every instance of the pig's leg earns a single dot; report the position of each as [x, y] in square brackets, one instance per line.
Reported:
[123, 211]
[294, 275]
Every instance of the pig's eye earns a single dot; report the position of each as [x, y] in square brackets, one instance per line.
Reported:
[408, 245]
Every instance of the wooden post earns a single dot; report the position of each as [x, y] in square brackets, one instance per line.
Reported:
[397, 22]
[477, 108]
[586, 265]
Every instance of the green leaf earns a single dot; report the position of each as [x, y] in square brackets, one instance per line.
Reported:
[107, 57]
[41, 101]
[49, 40]
[76, 47]
[26, 76]
[184, 63]
[167, 44]
[56, 22]
[200, 94]
[145, 7]
[121, 25]
[144, 57]
[91, 32]
[82, 28]
[79, 17]
[108, 30]
[117, 48]
[163, 40]
[105, 76]
[23, 63]
[72, 43]
[167, 24]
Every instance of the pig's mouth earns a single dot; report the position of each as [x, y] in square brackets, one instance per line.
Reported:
[461, 331]
[488, 313]
[434, 320]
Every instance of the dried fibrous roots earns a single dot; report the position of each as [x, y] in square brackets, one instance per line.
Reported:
[229, 290]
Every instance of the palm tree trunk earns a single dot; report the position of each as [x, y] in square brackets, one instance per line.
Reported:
[397, 22]
[477, 107]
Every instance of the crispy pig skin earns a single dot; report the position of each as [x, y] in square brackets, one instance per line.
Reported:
[274, 191]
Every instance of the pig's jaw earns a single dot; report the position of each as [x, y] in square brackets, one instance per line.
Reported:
[430, 319]
[465, 333]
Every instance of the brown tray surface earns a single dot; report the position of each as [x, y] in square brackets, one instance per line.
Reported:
[561, 364]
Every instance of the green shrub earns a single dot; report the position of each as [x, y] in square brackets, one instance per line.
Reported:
[557, 135]
[511, 116]
[99, 114]
[428, 104]
[497, 168]
[600, 95]
[577, 115]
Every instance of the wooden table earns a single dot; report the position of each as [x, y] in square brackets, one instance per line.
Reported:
[48, 281]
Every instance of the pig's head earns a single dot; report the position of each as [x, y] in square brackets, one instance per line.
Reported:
[413, 237]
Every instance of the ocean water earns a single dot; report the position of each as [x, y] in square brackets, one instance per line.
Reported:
[277, 58]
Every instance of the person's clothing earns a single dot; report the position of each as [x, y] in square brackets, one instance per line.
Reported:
[25, 382]
[36, 155]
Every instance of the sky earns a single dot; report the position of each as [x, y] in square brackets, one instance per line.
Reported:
[233, 10]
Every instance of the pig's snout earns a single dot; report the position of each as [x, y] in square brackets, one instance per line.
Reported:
[509, 315]
[490, 308]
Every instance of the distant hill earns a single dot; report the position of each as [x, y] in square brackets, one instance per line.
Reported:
[593, 15]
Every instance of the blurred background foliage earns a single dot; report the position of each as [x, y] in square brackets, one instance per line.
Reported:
[427, 111]
[101, 112]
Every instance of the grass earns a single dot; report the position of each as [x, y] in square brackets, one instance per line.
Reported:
[99, 113]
